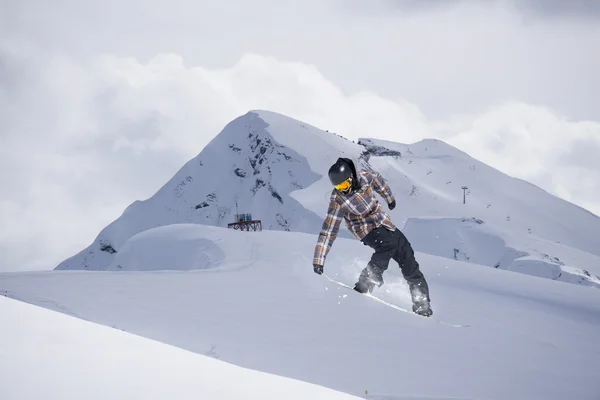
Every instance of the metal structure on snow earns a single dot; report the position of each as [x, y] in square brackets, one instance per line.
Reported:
[244, 222]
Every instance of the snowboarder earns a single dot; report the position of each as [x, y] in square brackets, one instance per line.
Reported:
[353, 199]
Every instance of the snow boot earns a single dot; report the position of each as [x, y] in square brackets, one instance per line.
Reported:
[370, 277]
[420, 300]
[422, 308]
[363, 286]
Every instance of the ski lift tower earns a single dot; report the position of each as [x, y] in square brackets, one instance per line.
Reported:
[464, 188]
[245, 222]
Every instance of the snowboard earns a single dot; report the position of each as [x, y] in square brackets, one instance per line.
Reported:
[393, 305]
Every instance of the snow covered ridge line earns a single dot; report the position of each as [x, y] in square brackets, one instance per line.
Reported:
[44, 352]
[274, 168]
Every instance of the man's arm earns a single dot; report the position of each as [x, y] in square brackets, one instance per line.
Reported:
[329, 232]
[381, 187]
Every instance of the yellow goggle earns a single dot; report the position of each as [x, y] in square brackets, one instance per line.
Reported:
[342, 187]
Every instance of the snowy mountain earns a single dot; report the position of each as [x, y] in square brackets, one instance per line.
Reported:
[255, 302]
[49, 355]
[170, 270]
[274, 167]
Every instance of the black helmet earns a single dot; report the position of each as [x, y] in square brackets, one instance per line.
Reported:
[339, 172]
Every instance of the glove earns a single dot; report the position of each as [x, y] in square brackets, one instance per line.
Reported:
[318, 269]
[392, 205]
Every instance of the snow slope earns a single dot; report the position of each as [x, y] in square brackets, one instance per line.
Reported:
[255, 302]
[274, 167]
[471, 240]
[48, 355]
[541, 234]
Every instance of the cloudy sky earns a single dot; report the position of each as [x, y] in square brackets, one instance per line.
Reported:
[102, 102]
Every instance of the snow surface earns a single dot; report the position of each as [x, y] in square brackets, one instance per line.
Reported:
[49, 355]
[516, 264]
[275, 168]
[257, 304]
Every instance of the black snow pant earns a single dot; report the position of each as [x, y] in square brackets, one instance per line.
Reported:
[394, 245]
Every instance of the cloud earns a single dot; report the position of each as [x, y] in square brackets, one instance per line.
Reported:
[81, 140]
[539, 9]
[449, 57]
[560, 9]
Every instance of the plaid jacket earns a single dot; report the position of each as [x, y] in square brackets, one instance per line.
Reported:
[360, 210]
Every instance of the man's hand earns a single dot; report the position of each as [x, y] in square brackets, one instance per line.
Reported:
[392, 205]
[318, 269]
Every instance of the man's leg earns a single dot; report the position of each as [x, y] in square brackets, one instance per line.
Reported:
[419, 290]
[384, 243]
